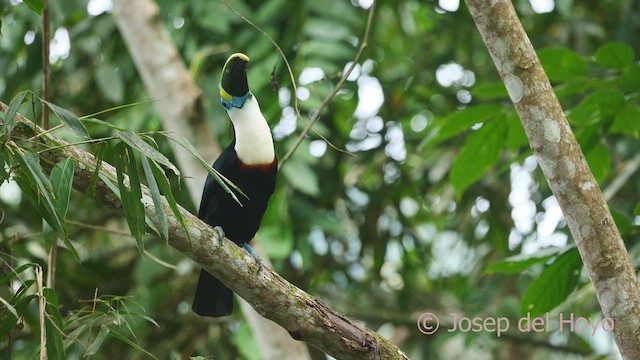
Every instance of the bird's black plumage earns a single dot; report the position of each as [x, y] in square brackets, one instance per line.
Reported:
[240, 223]
[249, 162]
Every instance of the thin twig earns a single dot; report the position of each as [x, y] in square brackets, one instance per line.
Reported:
[336, 89]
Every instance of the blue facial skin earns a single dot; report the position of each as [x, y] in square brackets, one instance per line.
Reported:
[236, 101]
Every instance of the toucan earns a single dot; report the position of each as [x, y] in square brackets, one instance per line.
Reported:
[250, 163]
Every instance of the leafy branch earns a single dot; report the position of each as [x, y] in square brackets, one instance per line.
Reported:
[303, 316]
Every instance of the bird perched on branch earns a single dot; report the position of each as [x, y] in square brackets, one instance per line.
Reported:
[250, 163]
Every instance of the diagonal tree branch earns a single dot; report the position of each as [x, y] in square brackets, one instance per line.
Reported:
[563, 164]
[303, 316]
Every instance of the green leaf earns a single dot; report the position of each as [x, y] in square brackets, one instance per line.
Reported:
[596, 107]
[135, 187]
[10, 308]
[157, 198]
[15, 272]
[301, 177]
[165, 187]
[97, 342]
[460, 121]
[99, 155]
[18, 306]
[49, 234]
[62, 181]
[623, 223]
[9, 121]
[95, 121]
[493, 90]
[599, 161]
[37, 6]
[517, 264]
[562, 64]
[69, 119]
[554, 284]
[615, 54]
[147, 150]
[480, 152]
[630, 81]
[30, 162]
[627, 120]
[53, 326]
[131, 196]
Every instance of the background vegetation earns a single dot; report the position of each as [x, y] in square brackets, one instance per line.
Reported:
[431, 211]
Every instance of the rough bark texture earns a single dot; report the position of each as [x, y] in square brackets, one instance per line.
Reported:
[563, 164]
[178, 100]
[303, 316]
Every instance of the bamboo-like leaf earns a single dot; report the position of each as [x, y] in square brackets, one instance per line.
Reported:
[15, 272]
[68, 118]
[97, 342]
[9, 307]
[130, 197]
[222, 181]
[147, 150]
[165, 187]
[136, 193]
[30, 162]
[35, 5]
[157, 198]
[61, 181]
[19, 306]
[102, 123]
[99, 154]
[9, 122]
[54, 326]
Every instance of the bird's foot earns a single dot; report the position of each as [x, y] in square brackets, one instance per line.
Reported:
[253, 253]
[220, 231]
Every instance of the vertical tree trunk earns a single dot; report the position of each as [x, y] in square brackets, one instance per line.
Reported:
[178, 100]
[563, 164]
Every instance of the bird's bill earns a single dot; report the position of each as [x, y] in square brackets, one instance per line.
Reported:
[234, 77]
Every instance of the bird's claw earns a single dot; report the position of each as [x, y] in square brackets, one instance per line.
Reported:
[220, 231]
[252, 252]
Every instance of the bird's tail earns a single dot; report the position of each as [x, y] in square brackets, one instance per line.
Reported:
[212, 298]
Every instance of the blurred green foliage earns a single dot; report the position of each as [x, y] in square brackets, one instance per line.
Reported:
[423, 215]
